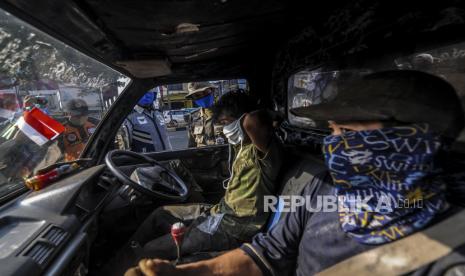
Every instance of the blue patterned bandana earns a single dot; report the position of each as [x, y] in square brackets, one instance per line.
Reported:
[385, 181]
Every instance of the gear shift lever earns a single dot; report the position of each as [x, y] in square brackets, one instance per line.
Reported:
[177, 232]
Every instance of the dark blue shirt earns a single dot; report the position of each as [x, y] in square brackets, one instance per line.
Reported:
[304, 243]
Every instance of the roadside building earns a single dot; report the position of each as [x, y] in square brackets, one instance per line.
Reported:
[173, 95]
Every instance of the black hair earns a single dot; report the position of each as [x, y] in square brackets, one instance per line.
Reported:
[233, 104]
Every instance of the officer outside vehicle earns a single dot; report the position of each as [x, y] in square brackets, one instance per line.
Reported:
[202, 131]
[143, 131]
[78, 128]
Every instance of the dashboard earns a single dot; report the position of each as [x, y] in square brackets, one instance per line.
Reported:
[49, 231]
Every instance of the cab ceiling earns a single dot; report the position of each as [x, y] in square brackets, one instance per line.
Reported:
[208, 39]
[198, 38]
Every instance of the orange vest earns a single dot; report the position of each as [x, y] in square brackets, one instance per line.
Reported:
[75, 139]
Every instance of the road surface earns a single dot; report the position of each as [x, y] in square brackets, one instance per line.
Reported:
[178, 139]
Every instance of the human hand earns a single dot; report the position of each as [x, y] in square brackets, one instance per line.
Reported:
[157, 267]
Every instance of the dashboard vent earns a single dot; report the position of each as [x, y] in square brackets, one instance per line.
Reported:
[55, 235]
[43, 248]
[40, 252]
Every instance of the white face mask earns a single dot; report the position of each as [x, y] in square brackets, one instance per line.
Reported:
[233, 132]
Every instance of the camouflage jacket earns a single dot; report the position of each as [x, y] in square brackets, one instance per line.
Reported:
[254, 175]
[202, 131]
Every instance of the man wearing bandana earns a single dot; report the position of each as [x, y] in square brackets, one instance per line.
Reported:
[202, 131]
[389, 133]
[255, 162]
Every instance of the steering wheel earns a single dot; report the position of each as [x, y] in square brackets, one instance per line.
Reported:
[168, 181]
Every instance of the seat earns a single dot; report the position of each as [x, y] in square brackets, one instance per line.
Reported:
[297, 172]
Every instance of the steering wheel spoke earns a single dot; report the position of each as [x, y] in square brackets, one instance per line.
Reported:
[180, 191]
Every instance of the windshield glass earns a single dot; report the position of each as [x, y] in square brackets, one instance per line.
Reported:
[52, 97]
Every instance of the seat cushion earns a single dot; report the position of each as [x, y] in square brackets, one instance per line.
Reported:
[299, 170]
[296, 174]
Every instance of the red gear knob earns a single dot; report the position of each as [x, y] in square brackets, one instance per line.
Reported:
[177, 232]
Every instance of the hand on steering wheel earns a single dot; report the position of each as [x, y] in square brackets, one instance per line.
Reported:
[180, 193]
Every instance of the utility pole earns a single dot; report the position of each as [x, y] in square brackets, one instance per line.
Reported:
[169, 103]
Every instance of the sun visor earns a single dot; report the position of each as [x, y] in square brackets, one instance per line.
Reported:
[146, 68]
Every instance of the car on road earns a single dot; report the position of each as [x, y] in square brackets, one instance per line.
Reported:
[191, 109]
[175, 118]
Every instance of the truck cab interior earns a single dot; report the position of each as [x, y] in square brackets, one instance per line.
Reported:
[282, 48]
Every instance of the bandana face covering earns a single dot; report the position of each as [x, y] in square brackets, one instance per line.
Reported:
[385, 181]
[206, 101]
[147, 99]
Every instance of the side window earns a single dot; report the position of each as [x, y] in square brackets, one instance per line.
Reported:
[184, 118]
[315, 86]
[310, 87]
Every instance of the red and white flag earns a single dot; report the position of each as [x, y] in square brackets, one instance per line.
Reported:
[39, 127]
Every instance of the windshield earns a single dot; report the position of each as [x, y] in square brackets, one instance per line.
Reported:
[52, 97]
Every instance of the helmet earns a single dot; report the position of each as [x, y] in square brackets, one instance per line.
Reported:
[77, 107]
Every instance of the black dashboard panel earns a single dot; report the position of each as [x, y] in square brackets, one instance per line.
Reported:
[38, 228]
